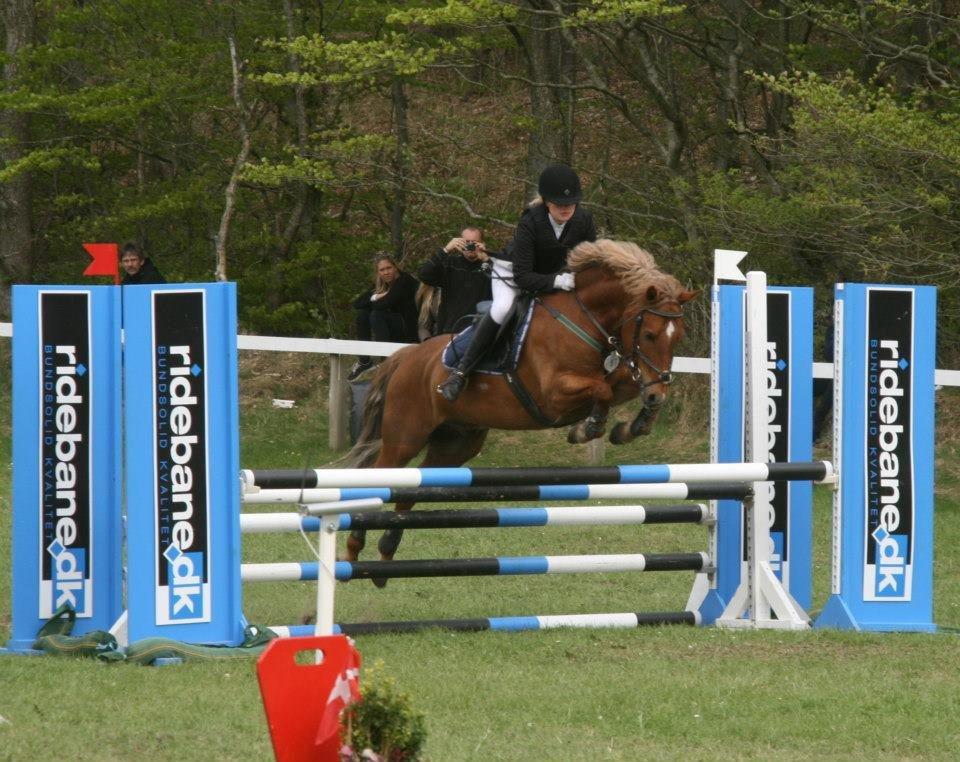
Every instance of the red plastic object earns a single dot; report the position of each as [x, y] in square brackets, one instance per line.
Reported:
[295, 696]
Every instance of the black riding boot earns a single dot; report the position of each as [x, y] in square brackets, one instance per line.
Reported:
[483, 337]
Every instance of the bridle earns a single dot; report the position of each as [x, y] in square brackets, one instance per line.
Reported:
[664, 377]
[613, 351]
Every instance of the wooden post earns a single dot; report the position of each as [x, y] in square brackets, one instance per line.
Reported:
[595, 451]
[339, 405]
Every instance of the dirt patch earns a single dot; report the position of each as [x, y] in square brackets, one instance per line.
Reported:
[296, 376]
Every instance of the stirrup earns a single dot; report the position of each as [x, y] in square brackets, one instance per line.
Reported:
[450, 388]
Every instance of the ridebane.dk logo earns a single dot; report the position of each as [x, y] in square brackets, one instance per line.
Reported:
[182, 516]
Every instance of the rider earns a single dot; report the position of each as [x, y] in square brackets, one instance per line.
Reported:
[552, 225]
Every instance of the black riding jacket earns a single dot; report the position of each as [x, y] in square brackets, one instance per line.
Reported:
[535, 251]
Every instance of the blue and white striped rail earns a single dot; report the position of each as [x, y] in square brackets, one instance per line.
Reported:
[658, 491]
[693, 473]
[501, 624]
[686, 513]
[476, 567]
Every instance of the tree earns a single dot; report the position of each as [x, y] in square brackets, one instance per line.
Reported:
[16, 208]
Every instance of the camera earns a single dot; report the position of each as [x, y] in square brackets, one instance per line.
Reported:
[471, 246]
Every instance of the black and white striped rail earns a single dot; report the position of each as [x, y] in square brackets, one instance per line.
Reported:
[481, 518]
[503, 624]
[478, 567]
[476, 494]
[689, 473]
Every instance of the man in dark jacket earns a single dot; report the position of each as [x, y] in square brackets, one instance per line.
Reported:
[138, 269]
[388, 311]
[456, 271]
[532, 261]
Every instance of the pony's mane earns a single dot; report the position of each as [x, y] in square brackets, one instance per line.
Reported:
[634, 267]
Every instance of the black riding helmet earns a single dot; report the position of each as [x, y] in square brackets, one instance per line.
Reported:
[559, 184]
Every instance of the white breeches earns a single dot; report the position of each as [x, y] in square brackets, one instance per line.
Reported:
[503, 290]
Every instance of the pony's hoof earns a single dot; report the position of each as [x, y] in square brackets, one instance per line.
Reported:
[573, 436]
[620, 434]
[380, 582]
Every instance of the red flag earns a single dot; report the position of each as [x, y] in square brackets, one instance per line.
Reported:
[105, 260]
[346, 690]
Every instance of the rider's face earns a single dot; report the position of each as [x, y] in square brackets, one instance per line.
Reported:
[561, 212]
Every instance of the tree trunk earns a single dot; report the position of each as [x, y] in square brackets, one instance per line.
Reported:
[551, 68]
[16, 256]
[230, 195]
[401, 166]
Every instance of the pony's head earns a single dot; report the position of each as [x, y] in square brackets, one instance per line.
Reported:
[651, 323]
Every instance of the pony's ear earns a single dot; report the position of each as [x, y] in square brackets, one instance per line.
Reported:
[653, 294]
[686, 296]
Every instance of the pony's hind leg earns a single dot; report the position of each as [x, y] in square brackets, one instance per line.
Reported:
[448, 446]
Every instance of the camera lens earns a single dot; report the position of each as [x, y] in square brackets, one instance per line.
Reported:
[471, 245]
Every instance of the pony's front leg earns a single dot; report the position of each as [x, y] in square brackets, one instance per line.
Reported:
[591, 427]
[572, 392]
[355, 543]
[640, 426]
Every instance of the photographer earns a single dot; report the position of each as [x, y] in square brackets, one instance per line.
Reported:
[456, 271]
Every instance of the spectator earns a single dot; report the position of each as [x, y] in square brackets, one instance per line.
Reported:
[456, 270]
[138, 269]
[387, 311]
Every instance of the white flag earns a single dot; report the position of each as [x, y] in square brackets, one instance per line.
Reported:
[725, 264]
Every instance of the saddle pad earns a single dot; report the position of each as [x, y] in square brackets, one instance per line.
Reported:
[497, 361]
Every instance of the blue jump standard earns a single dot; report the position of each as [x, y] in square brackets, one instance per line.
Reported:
[497, 624]
[505, 477]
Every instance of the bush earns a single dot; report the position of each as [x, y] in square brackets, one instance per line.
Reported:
[383, 722]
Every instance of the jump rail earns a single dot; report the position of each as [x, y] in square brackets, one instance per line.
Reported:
[480, 567]
[669, 491]
[502, 624]
[687, 513]
[689, 473]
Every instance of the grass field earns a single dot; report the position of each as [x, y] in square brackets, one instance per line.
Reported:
[661, 693]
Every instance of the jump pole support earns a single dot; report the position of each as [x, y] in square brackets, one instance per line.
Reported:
[761, 597]
[329, 514]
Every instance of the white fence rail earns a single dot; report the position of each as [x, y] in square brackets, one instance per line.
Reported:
[339, 348]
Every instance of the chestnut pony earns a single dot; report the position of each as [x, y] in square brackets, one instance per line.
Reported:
[609, 341]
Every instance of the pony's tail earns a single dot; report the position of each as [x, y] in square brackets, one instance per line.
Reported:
[367, 449]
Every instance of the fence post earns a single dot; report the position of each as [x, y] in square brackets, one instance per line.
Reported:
[338, 403]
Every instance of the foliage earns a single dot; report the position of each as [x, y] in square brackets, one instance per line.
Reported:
[820, 136]
[383, 720]
[869, 186]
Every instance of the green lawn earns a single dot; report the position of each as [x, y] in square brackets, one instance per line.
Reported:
[557, 695]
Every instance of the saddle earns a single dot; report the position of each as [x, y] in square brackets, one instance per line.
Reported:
[504, 356]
